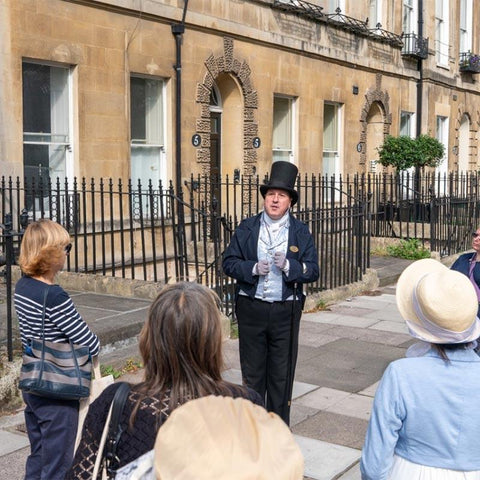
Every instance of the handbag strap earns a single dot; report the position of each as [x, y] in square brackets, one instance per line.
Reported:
[115, 429]
[101, 446]
[44, 308]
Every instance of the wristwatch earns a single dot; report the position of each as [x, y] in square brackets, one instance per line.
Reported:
[305, 269]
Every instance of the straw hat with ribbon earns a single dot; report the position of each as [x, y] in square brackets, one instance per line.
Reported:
[439, 305]
[225, 438]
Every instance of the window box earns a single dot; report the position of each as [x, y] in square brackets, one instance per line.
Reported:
[469, 62]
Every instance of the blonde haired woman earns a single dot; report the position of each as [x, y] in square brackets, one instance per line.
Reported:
[425, 419]
[51, 424]
[181, 348]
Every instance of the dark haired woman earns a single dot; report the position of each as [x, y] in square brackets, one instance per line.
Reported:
[425, 418]
[181, 348]
[469, 264]
[51, 424]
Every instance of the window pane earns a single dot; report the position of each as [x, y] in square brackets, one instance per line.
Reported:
[279, 155]
[282, 123]
[330, 127]
[36, 98]
[406, 123]
[146, 110]
[137, 110]
[59, 101]
[46, 120]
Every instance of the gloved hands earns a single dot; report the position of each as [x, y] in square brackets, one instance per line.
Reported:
[262, 267]
[280, 260]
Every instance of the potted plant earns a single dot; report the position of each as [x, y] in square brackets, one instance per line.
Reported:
[404, 152]
[469, 62]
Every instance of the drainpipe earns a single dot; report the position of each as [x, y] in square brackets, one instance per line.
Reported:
[177, 30]
[419, 95]
[420, 70]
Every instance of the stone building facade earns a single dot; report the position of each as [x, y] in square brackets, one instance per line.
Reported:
[89, 88]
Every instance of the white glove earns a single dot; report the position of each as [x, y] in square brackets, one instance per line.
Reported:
[262, 267]
[280, 260]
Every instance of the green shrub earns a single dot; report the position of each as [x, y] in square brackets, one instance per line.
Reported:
[404, 152]
[410, 249]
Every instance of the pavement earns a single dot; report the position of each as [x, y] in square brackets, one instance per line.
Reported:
[343, 352]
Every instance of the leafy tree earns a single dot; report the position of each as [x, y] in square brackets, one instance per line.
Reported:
[404, 152]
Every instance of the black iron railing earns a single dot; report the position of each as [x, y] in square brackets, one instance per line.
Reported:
[414, 46]
[469, 62]
[130, 230]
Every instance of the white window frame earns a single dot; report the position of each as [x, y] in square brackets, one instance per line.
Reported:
[410, 16]
[410, 122]
[441, 134]
[328, 153]
[284, 150]
[334, 4]
[336, 153]
[466, 25]
[156, 144]
[61, 147]
[54, 140]
[375, 13]
[442, 38]
[410, 132]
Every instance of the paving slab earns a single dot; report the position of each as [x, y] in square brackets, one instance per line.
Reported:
[345, 364]
[352, 473]
[12, 465]
[300, 413]
[341, 319]
[369, 391]
[358, 406]
[234, 375]
[324, 461]
[109, 302]
[389, 326]
[368, 335]
[334, 428]
[322, 398]
[115, 327]
[11, 442]
[387, 314]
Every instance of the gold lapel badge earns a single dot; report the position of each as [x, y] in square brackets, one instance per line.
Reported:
[294, 248]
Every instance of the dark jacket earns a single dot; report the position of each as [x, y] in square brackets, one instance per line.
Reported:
[241, 256]
[462, 265]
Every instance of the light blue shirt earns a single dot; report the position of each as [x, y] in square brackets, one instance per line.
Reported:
[426, 411]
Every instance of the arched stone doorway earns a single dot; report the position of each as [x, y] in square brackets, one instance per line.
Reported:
[376, 120]
[464, 144]
[231, 76]
[375, 135]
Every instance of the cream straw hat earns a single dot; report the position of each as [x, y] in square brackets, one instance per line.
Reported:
[221, 438]
[439, 305]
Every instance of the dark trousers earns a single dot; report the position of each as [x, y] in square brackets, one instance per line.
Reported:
[52, 428]
[267, 356]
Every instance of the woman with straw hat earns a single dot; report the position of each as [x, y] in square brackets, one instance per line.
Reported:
[425, 418]
[220, 438]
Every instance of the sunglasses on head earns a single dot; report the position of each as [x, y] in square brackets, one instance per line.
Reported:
[68, 248]
[475, 234]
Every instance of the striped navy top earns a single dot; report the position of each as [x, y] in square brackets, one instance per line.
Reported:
[62, 321]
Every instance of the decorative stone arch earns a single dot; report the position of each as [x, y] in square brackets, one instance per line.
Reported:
[382, 99]
[473, 140]
[227, 63]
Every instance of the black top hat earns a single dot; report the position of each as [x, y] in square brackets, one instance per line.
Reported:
[282, 176]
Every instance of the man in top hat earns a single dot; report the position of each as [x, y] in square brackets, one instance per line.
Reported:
[271, 255]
